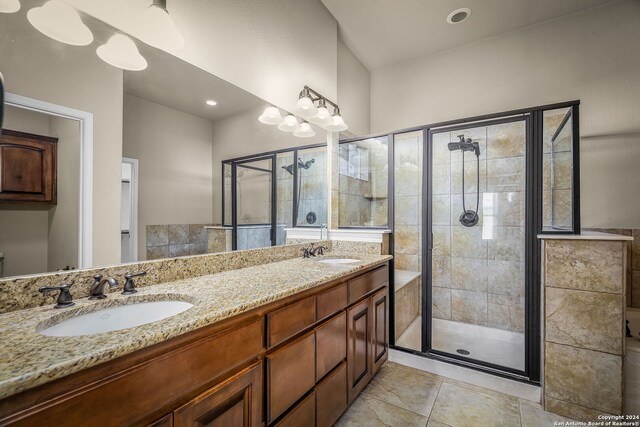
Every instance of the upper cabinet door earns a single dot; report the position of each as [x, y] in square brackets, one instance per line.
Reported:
[28, 168]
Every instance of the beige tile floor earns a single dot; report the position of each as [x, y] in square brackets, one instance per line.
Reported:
[403, 396]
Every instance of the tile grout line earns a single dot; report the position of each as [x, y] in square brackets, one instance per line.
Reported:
[520, 410]
[394, 405]
[435, 400]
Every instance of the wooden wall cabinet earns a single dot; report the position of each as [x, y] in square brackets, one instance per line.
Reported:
[299, 361]
[28, 168]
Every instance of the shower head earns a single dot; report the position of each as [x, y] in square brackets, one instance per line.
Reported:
[305, 165]
[463, 145]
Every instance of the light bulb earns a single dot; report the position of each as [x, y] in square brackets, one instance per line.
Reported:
[323, 116]
[305, 106]
[290, 124]
[270, 116]
[61, 22]
[337, 124]
[9, 6]
[211, 102]
[155, 27]
[305, 131]
[121, 52]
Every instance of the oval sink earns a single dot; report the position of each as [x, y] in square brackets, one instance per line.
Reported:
[339, 261]
[116, 318]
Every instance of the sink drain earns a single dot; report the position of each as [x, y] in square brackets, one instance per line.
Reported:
[463, 352]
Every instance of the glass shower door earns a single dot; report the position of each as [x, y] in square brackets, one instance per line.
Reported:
[477, 254]
[254, 215]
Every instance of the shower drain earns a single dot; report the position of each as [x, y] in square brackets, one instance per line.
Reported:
[463, 352]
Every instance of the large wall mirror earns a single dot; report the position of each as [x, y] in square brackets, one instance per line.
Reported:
[139, 154]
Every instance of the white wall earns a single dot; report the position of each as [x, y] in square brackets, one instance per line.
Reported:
[175, 172]
[354, 91]
[592, 56]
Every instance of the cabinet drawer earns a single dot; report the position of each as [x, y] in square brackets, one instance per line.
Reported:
[291, 373]
[331, 344]
[237, 401]
[288, 321]
[331, 397]
[303, 414]
[331, 301]
[368, 282]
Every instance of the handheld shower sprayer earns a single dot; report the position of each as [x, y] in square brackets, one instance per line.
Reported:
[469, 217]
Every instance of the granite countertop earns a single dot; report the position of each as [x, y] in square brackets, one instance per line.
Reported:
[29, 358]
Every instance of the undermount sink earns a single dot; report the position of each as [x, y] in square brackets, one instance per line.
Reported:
[339, 261]
[116, 318]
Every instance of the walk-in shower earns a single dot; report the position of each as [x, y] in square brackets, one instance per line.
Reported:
[465, 273]
[310, 217]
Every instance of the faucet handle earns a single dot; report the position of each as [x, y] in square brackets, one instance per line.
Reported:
[129, 285]
[65, 299]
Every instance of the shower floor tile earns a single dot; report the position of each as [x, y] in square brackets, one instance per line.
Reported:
[497, 346]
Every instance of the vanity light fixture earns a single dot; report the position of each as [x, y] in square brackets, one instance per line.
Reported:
[337, 122]
[305, 106]
[121, 52]
[271, 116]
[156, 28]
[211, 102]
[305, 131]
[290, 124]
[61, 22]
[9, 6]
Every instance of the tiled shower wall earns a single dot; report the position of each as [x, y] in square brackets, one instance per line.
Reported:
[478, 272]
[557, 171]
[172, 240]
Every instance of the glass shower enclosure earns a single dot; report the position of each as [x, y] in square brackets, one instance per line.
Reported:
[467, 199]
[265, 193]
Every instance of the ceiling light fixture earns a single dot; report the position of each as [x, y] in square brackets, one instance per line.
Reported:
[156, 28]
[61, 22]
[337, 122]
[9, 6]
[121, 52]
[211, 102]
[459, 15]
[270, 116]
[305, 131]
[290, 124]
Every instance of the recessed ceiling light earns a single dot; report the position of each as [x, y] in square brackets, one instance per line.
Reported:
[212, 102]
[459, 15]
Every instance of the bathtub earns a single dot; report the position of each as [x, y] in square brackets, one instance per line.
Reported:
[632, 363]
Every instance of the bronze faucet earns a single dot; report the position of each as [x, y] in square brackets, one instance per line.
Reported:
[97, 288]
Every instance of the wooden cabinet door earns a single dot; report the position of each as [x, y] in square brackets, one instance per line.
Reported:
[331, 397]
[27, 167]
[379, 329]
[358, 347]
[331, 344]
[236, 402]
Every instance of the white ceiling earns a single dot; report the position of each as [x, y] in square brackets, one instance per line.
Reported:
[386, 32]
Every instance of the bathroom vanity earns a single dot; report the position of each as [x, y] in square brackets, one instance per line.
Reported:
[299, 359]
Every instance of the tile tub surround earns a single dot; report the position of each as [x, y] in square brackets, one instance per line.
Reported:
[30, 359]
[583, 322]
[172, 240]
[21, 292]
